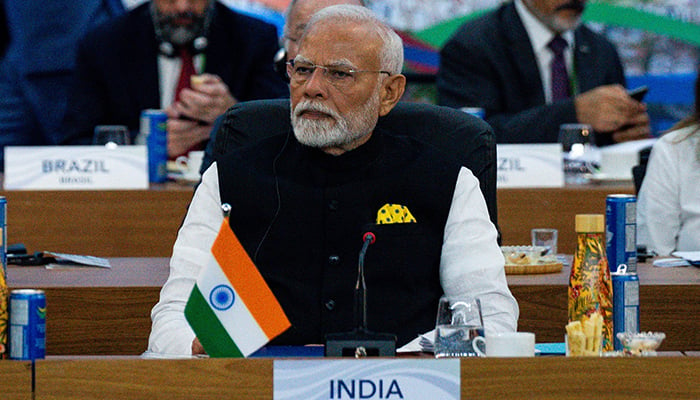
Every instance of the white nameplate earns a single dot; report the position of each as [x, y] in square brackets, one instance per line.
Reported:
[366, 379]
[529, 165]
[75, 168]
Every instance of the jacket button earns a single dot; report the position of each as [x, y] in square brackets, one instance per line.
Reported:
[330, 305]
[334, 260]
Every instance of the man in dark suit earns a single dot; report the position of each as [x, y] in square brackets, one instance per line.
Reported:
[134, 63]
[502, 63]
[39, 40]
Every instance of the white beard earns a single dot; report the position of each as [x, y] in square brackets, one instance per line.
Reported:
[338, 132]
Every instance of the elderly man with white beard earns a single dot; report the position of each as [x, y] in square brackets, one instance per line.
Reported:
[301, 201]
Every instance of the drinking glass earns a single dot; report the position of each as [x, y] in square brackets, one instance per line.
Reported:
[577, 141]
[459, 328]
[547, 238]
[111, 135]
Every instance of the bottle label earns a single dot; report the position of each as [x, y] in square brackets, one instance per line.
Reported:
[590, 285]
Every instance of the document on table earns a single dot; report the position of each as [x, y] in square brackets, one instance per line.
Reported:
[73, 260]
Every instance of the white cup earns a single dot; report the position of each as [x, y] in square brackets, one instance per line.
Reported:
[510, 344]
[190, 164]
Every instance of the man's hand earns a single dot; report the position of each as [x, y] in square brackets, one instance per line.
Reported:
[184, 134]
[206, 100]
[197, 347]
[610, 109]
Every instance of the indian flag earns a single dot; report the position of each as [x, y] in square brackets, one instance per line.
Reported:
[231, 309]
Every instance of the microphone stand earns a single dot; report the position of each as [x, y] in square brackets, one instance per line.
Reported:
[361, 342]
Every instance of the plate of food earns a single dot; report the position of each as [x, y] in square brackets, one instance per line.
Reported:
[529, 260]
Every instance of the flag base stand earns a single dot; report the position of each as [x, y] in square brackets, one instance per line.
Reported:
[360, 343]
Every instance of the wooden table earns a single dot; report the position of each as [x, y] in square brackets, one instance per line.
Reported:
[520, 210]
[481, 378]
[15, 380]
[144, 223]
[104, 312]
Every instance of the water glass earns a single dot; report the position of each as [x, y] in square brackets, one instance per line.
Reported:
[547, 238]
[576, 140]
[111, 135]
[459, 328]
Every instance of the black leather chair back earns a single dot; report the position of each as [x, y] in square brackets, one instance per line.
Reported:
[457, 134]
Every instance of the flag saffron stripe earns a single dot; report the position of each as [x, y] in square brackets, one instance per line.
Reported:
[208, 328]
[248, 283]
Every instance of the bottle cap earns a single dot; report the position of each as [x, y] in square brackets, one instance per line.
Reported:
[590, 223]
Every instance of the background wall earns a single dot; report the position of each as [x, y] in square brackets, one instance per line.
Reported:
[658, 41]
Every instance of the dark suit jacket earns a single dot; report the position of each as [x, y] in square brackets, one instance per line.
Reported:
[41, 41]
[489, 63]
[117, 68]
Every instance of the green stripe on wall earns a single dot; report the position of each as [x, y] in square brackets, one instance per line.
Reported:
[601, 12]
[209, 330]
[632, 18]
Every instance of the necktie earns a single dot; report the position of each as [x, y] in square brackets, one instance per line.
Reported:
[186, 71]
[560, 79]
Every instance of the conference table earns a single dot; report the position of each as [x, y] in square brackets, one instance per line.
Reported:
[130, 378]
[98, 311]
[98, 320]
[144, 223]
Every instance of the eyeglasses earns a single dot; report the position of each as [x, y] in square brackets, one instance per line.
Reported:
[338, 76]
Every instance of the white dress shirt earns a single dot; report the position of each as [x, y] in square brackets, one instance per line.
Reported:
[668, 209]
[540, 36]
[471, 263]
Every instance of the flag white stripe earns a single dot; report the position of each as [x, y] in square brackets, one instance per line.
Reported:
[237, 320]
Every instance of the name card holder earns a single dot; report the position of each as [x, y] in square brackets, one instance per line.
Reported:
[75, 168]
[367, 379]
[529, 165]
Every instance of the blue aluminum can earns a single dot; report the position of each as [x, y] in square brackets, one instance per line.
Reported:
[27, 338]
[621, 231]
[153, 130]
[3, 236]
[625, 303]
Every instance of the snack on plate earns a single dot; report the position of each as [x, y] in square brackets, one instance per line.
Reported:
[585, 338]
[522, 255]
[640, 343]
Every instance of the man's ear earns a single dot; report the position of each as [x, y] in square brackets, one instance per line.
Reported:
[391, 92]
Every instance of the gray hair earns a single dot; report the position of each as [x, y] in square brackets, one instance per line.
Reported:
[391, 56]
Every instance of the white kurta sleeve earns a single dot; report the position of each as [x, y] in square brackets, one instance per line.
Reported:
[472, 263]
[170, 332]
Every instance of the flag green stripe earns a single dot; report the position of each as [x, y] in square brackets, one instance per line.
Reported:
[211, 333]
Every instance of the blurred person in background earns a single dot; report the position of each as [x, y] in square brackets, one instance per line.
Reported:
[502, 62]
[39, 41]
[668, 212]
[144, 60]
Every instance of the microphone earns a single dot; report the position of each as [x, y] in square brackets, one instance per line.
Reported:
[361, 342]
[360, 286]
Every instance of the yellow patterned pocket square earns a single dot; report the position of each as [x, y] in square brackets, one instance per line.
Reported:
[394, 214]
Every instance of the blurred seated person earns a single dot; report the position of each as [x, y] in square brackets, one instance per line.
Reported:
[301, 201]
[532, 66]
[39, 41]
[668, 212]
[146, 60]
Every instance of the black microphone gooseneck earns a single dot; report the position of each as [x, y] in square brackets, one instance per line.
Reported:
[360, 286]
[361, 342]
